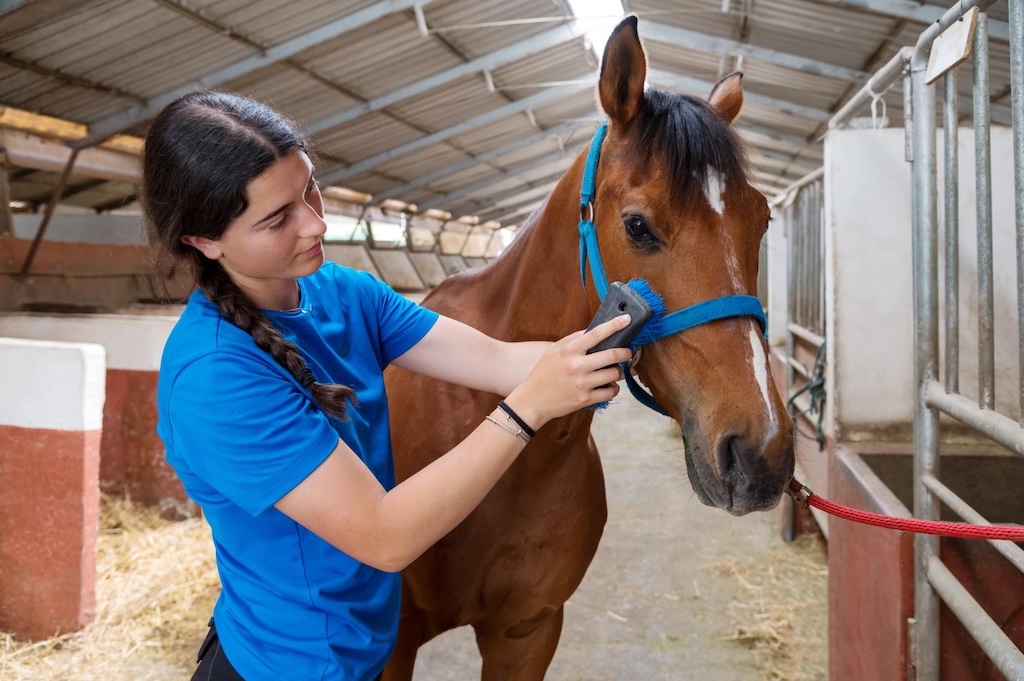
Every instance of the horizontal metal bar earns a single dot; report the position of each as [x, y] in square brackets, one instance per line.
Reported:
[924, 42]
[807, 179]
[1002, 430]
[1010, 551]
[798, 367]
[806, 334]
[880, 82]
[996, 644]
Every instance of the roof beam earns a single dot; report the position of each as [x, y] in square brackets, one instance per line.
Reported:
[462, 192]
[708, 43]
[111, 125]
[506, 55]
[546, 182]
[535, 100]
[777, 135]
[668, 79]
[424, 180]
[522, 211]
[511, 209]
[7, 6]
[916, 11]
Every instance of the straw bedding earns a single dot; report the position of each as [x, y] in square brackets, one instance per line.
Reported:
[157, 583]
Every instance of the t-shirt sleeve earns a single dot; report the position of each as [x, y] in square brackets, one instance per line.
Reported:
[246, 429]
[401, 322]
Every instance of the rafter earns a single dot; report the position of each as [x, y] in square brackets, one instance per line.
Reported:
[708, 43]
[111, 125]
[493, 60]
[464, 191]
[536, 100]
[479, 159]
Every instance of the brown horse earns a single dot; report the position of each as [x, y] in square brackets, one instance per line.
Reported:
[672, 206]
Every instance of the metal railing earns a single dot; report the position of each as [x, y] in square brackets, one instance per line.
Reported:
[932, 580]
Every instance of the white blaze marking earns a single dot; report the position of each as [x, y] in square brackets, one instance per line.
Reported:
[760, 365]
[714, 188]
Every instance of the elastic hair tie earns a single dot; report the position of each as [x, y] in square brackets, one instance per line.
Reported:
[305, 378]
[515, 417]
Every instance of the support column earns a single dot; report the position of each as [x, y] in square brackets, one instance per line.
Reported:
[6, 219]
[51, 411]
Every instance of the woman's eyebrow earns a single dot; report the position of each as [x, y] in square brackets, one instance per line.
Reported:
[276, 212]
[284, 207]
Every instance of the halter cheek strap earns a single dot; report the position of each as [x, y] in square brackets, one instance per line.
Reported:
[660, 325]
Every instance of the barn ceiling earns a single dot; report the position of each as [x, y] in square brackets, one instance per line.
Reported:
[472, 107]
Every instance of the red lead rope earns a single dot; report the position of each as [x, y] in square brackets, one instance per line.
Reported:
[804, 496]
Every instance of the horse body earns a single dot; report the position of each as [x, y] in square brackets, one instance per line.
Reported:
[672, 206]
[511, 565]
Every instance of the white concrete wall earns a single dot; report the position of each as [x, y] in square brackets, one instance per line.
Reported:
[125, 230]
[131, 342]
[869, 299]
[51, 385]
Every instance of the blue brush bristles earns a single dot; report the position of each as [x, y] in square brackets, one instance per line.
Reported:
[652, 329]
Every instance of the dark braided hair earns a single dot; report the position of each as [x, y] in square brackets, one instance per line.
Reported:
[201, 152]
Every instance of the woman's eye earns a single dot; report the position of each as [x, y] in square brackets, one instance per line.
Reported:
[637, 230]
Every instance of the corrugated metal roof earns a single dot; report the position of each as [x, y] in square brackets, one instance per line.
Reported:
[89, 61]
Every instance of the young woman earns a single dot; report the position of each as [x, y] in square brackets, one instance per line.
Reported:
[272, 407]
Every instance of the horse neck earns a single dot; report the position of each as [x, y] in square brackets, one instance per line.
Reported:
[536, 282]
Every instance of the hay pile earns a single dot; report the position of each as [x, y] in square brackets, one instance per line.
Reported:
[781, 609]
[156, 583]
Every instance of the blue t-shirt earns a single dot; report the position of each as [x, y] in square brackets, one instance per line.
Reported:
[241, 433]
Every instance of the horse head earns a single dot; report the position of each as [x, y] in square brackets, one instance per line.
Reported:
[672, 205]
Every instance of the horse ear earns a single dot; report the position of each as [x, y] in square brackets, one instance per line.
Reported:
[727, 96]
[623, 71]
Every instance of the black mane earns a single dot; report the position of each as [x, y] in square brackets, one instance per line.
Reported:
[688, 136]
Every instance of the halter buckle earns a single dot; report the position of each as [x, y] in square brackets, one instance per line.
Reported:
[635, 359]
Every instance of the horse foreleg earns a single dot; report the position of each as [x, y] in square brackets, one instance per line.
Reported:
[411, 635]
[521, 652]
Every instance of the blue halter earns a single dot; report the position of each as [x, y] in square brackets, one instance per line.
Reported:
[661, 324]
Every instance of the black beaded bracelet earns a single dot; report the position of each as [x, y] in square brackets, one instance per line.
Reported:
[515, 417]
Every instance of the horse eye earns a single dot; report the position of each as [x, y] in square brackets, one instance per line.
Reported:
[638, 231]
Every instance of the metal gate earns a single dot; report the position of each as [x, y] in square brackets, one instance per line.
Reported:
[932, 580]
[938, 390]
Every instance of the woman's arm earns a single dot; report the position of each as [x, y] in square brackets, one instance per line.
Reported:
[483, 363]
[343, 503]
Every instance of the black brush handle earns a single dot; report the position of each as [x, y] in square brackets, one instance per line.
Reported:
[621, 299]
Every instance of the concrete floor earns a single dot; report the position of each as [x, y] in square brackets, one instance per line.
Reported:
[652, 606]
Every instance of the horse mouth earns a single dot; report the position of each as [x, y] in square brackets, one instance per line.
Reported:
[718, 495]
[691, 473]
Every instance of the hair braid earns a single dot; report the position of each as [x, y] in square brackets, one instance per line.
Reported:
[241, 311]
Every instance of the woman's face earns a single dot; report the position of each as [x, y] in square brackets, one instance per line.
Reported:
[277, 238]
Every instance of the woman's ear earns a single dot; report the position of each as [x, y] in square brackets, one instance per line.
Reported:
[208, 247]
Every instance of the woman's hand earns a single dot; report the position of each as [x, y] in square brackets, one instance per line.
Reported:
[567, 379]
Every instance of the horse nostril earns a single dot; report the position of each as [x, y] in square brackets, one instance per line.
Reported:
[736, 459]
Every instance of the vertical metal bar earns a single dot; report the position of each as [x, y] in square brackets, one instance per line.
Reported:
[950, 124]
[50, 207]
[791, 276]
[926, 335]
[1016, 21]
[983, 175]
[819, 225]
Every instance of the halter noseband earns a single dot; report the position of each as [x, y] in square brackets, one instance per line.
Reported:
[658, 327]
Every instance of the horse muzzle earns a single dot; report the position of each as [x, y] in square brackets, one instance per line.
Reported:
[738, 475]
